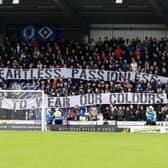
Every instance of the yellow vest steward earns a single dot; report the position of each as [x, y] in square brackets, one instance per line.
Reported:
[57, 114]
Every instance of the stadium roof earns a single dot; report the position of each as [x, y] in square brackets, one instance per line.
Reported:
[86, 11]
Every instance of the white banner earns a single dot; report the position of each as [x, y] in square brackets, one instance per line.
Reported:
[146, 129]
[85, 74]
[149, 129]
[21, 122]
[108, 98]
[20, 104]
[85, 100]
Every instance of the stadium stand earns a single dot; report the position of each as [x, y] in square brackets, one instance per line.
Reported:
[149, 56]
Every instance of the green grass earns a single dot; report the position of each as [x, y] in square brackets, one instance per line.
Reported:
[82, 150]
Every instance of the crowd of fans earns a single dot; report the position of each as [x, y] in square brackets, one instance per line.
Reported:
[149, 56]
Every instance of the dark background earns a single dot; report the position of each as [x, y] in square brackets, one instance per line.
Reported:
[73, 17]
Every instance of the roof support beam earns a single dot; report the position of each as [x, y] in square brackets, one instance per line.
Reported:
[157, 9]
[67, 9]
[70, 12]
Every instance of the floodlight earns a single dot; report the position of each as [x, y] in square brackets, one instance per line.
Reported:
[118, 1]
[15, 2]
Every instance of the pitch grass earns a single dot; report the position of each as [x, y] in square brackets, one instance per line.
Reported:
[82, 150]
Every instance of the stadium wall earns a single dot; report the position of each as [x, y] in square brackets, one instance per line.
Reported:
[70, 33]
[128, 30]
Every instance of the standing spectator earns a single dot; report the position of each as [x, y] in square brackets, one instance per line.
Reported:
[120, 113]
[118, 52]
[77, 113]
[133, 65]
[93, 112]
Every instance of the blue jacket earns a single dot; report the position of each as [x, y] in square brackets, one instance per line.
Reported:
[151, 115]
